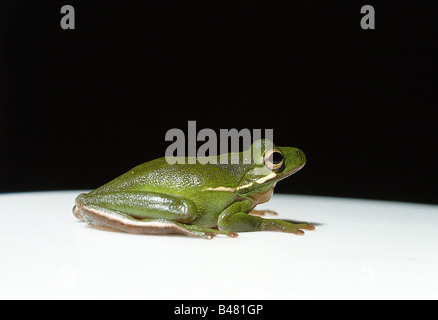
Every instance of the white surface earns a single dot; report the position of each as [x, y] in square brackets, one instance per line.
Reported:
[360, 250]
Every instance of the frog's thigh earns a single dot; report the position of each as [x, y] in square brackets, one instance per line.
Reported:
[102, 218]
[142, 205]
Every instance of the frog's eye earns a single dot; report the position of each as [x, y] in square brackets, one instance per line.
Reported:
[273, 159]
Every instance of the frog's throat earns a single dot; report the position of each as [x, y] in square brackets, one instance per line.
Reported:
[262, 197]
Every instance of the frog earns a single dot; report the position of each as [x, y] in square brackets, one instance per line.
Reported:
[196, 198]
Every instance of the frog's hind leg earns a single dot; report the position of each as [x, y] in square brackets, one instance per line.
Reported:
[78, 213]
[82, 214]
[103, 218]
[194, 230]
[139, 205]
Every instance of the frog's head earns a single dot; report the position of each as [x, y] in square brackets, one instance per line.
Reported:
[271, 164]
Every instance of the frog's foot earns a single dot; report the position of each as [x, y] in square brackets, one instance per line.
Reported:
[284, 226]
[235, 218]
[203, 232]
[263, 212]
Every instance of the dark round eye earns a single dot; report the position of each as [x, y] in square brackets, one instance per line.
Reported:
[273, 159]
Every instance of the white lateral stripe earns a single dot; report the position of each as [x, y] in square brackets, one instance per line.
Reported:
[259, 181]
[227, 189]
[268, 177]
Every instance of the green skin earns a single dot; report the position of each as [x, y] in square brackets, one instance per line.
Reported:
[195, 199]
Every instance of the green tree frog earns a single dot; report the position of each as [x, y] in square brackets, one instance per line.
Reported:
[194, 199]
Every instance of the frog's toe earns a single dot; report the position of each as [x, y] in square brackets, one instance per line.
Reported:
[263, 212]
[230, 234]
[207, 233]
[305, 226]
[284, 226]
[211, 235]
[300, 226]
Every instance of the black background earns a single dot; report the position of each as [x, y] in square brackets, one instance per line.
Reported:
[79, 107]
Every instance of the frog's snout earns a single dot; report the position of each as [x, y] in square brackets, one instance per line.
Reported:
[300, 156]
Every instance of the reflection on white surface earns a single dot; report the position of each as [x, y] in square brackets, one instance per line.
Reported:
[360, 249]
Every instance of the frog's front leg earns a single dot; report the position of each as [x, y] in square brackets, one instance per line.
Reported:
[141, 213]
[235, 218]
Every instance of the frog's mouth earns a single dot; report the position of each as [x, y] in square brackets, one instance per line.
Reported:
[283, 175]
[273, 176]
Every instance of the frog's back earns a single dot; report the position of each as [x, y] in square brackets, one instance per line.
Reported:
[157, 175]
